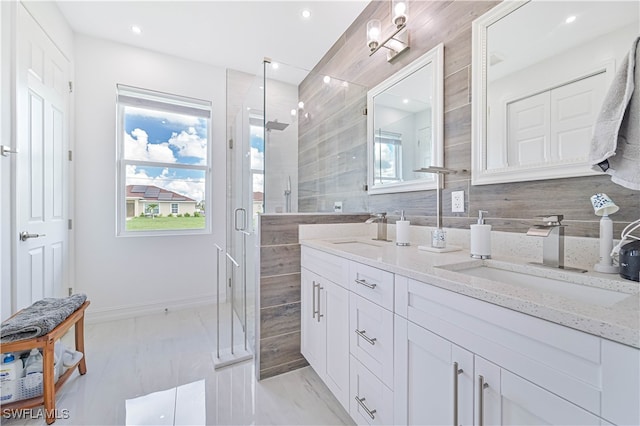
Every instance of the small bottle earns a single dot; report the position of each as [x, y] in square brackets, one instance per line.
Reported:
[10, 371]
[480, 247]
[34, 363]
[402, 230]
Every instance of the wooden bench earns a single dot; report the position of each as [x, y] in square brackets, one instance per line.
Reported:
[46, 343]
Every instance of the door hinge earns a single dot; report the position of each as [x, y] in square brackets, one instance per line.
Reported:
[70, 87]
[70, 224]
[70, 291]
[365, 111]
[70, 155]
[230, 143]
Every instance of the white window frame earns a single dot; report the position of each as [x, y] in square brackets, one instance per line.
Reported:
[144, 98]
[177, 208]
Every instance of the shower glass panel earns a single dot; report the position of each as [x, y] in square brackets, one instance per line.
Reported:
[281, 136]
[245, 188]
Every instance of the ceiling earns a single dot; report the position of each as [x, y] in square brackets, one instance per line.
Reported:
[236, 34]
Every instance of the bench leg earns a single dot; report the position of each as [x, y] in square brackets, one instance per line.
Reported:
[79, 329]
[49, 391]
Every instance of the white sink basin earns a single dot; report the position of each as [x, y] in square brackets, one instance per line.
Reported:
[567, 284]
[358, 243]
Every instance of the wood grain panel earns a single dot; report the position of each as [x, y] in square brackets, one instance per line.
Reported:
[279, 289]
[279, 350]
[279, 260]
[278, 320]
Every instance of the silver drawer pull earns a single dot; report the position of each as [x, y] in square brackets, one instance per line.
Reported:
[362, 334]
[481, 387]
[365, 408]
[366, 284]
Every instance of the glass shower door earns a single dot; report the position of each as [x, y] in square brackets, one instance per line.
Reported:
[245, 172]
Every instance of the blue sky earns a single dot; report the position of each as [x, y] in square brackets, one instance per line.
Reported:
[159, 136]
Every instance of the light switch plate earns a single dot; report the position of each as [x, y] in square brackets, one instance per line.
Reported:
[337, 206]
[457, 201]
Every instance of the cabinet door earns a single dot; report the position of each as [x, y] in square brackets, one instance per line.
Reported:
[371, 335]
[434, 378]
[505, 398]
[334, 305]
[313, 339]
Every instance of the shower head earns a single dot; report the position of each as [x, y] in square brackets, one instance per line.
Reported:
[275, 125]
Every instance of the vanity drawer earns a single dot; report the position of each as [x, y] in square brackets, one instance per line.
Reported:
[371, 402]
[371, 337]
[372, 283]
[329, 266]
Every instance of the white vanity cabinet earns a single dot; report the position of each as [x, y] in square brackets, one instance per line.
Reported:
[525, 370]
[324, 316]
[396, 350]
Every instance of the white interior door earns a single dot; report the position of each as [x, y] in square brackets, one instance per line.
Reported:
[42, 165]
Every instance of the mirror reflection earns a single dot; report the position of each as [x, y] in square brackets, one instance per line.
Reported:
[405, 126]
[542, 70]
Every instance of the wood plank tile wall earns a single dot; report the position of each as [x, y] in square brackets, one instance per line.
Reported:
[332, 142]
[280, 288]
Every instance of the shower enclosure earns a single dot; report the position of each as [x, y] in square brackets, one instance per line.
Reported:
[264, 115]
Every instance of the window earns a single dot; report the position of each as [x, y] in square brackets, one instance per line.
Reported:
[163, 162]
[388, 168]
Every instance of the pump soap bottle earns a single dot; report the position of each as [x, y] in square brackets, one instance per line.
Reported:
[481, 238]
[402, 231]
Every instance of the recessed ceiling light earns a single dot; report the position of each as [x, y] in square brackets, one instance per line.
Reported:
[136, 29]
[275, 65]
[570, 19]
[405, 101]
[306, 14]
[326, 79]
[294, 112]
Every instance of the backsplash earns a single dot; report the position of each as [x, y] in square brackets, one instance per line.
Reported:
[332, 142]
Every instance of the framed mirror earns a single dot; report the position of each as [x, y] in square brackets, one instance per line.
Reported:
[405, 126]
[541, 70]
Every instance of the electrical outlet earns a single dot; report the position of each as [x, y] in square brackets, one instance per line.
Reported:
[457, 201]
[337, 206]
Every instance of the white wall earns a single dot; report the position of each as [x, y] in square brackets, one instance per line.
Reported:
[134, 275]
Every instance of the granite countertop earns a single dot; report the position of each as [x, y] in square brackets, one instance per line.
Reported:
[617, 319]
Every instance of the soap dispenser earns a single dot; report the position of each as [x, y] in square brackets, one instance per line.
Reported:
[481, 238]
[402, 231]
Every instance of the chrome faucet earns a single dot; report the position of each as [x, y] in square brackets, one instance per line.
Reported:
[381, 220]
[553, 243]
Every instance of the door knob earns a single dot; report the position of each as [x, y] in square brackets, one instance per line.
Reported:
[24, 235]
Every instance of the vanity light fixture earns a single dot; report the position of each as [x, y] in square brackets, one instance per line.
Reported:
[604, 206]
[398, 41]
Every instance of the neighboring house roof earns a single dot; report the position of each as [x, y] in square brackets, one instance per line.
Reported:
[258, 196]
[150, 192]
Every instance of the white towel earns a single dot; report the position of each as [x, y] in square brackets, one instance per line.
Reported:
[615, 147]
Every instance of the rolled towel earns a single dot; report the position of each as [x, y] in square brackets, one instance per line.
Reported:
[39, 318]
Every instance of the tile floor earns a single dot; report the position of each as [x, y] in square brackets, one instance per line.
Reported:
[158, 370]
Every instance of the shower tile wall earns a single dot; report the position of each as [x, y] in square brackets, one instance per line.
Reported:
[332, 143]
[280, 288]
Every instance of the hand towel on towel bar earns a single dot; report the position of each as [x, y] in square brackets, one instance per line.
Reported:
[615, 147]
[39, 318]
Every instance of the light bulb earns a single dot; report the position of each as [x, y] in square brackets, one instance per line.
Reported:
[400, 10]
[373, 34]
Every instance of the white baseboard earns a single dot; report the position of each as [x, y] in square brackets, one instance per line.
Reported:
[93, 316]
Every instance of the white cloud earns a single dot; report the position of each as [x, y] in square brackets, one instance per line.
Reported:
[190, 144]
[257, 159]
[137, 147]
